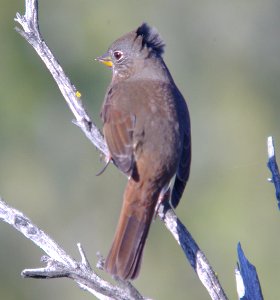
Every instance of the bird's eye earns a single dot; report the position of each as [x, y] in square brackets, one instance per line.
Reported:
[118, 55]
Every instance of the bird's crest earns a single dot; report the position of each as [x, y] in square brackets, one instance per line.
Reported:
[150, 38]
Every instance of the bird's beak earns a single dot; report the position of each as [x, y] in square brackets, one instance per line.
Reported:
[106, 60]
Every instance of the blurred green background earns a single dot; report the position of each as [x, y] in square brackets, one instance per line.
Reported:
[225, 58]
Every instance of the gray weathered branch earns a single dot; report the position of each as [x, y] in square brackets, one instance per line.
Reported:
[59, 264]
[30, 31]
[273, 167]
[195, 256]
[247, 280]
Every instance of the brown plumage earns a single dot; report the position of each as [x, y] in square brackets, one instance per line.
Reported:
[147, 129]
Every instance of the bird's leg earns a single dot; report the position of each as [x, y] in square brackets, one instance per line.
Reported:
[163, 196]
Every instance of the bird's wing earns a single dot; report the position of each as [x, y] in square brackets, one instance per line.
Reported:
[118, 130]
[183, 171]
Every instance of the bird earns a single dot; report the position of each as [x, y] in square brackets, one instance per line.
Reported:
[146, 126]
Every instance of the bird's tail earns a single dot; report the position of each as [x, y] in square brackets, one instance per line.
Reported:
[124, 258]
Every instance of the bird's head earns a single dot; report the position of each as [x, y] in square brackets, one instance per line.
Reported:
[128, 54]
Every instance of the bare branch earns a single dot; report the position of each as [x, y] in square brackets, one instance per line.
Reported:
[273, 167]
[247, 281]
[195, 256]
[24, 225]
[30, 32]
[59, 264]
